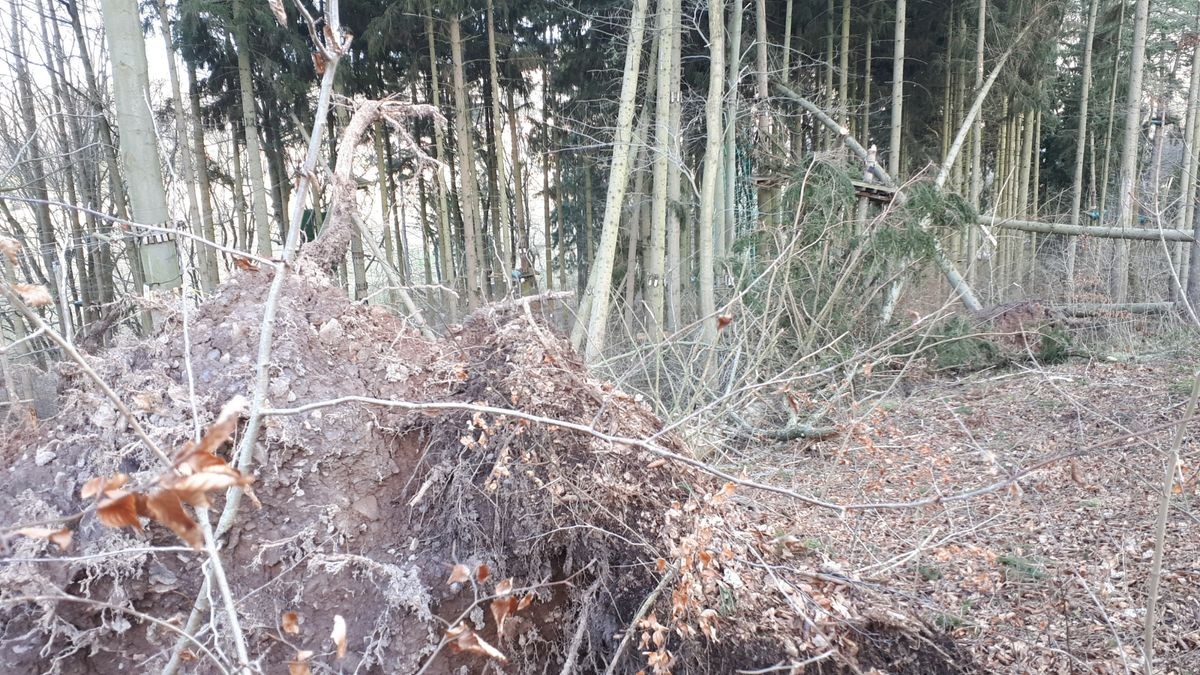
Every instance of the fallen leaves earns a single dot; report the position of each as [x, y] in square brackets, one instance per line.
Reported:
[34, 295]
[463, 639]
[196, 471]
[338, 635]
[9, 247]
[299, 665]
[459, 574]
[59, 537]
[244, 264]
[290, 622]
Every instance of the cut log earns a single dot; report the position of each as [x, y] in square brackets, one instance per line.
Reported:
[1101, 308]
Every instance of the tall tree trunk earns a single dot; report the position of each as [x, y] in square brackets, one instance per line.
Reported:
[712, 161]
[385, 202]
[1126, 213]
[548, 248]
[595, 303]
[674, 175]
[445, 255]
[469, 204]
[1191, 175]
[1085, 89]
[830, 93]
[767, 202]
[116, 185]
[203, 182]
[521, 228]
[504, 223]
[241, 224]
[731, 105]
[67, 129]
[844, 65]
[204, 254]
[138, 149]
[258, 187]
[897, 91]
[977, 127]
[660, 205]
[1106, 178]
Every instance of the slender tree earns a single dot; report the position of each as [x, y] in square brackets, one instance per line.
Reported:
[592, 323]
[1119, 280]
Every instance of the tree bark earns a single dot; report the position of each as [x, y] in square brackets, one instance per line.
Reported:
[660, 202]
[1126, 211]
[504, 222]
[1085, 90]
[594, 305]
[469, 203]
[258, 189]
[712, 159]
[897, 90]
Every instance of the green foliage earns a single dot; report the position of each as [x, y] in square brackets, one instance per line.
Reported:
[955, 346]
[1020, 567]
[1054, 346]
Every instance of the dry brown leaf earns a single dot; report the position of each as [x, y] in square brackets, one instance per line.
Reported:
[290, 621]
[318, 62]
[501, 609]
[34, 295]
[244, 264]
[504, 587]
[99, 485]
[299, 665]
[119, 509]
[164, 506]
[339, 635]
[482, 572]
[60, 538]
[277, 10]
[723, 322]
[459, 574]
[465, 640]
[200, 456]
[525, 602]
[10, 247]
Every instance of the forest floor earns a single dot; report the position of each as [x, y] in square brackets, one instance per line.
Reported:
[1050, 577]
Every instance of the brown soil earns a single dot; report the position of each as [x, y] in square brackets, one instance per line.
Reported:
[366, 509]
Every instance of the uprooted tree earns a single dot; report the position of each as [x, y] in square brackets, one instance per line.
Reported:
[421, 505]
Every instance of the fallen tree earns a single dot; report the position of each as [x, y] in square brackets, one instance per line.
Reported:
[1141, 234]
[427, 505]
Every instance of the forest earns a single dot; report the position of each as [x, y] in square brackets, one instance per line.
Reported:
[604, 336]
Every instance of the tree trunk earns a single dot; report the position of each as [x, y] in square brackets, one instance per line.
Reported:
[594, 306]
[523, 254]
[660, 202]
[674, 175]
[977, 127]
[469, 204]
[258, 189]
[1112, 116]
[712, 159]
[897, 91]
[203, 182]
[138, 148]
[843, 64]
[504, 223]
[1127, 209]
[1191, 170]
[241, 225]
[1085, 90]
[548, 248]
[445, 257]
[731, 109]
